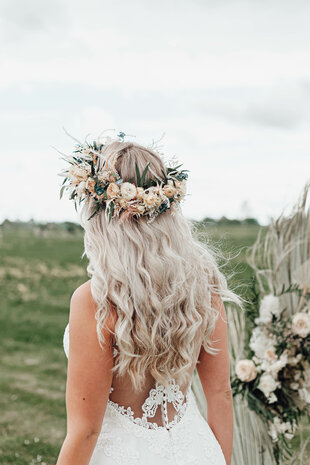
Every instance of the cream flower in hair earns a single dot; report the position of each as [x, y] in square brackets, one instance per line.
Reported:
[77, 174]
[113, 190]
[169, 190]
[128, 190]
[150, 199]
[140, 193]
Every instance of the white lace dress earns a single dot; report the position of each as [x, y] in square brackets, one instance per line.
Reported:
[128, 440]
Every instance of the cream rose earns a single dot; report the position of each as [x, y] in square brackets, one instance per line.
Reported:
[77, 174]
[113, 190]
[246, 370]
[128, 190]
[169, 190]
[301, 324]
[150, 199]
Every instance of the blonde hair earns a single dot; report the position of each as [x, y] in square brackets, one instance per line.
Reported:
[157, 276]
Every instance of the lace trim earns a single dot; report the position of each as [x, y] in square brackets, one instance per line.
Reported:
[157, 396]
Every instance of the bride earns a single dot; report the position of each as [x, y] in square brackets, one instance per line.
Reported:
[150, 315]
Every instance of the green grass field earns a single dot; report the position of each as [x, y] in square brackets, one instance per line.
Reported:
[38, 275]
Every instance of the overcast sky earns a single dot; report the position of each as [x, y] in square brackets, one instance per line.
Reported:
[228, 82]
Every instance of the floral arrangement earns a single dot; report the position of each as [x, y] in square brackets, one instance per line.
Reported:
[92, 176]
[275, 378]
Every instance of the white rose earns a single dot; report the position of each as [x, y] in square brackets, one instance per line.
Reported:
[128, 190]
[260, 342]
[270, 305]
[267, 384]
[301, 324]
[246, 370]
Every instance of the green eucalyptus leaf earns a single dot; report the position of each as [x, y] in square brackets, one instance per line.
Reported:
[144, 173]
[138, 175]
[61, 192]
[111, 211]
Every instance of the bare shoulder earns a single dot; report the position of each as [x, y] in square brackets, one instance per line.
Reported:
[83, 292]
[83, 306]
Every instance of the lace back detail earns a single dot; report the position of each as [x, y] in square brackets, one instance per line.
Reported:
[158, 396]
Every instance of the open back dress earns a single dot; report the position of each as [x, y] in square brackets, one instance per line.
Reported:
[157, 426]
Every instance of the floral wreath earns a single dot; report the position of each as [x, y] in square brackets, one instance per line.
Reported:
[93, 176]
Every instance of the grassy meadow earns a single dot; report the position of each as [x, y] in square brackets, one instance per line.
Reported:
[39, 270]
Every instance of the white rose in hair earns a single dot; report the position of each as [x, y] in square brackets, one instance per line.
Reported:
[301, 324]
[267, 384]
[128, 190]
[246, 370]
[270, 305]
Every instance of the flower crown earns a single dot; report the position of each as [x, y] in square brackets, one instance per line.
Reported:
[92, 175]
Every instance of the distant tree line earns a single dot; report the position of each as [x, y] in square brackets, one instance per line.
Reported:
[72, 227]
[226, 221]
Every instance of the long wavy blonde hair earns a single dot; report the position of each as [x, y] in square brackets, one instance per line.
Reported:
[157, 276]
